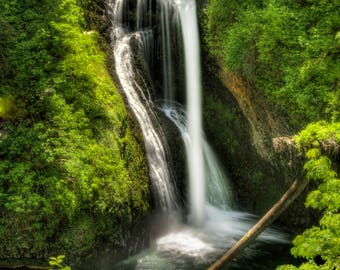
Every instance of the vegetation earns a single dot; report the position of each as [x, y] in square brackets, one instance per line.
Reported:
[320, 245]
[287, 50]
[72, 172]
[57, 263]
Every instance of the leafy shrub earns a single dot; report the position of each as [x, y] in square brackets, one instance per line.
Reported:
[287, 50]
[320, 245]
[70, 161]
[57, 263]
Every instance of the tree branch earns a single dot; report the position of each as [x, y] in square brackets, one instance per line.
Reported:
[292, 193]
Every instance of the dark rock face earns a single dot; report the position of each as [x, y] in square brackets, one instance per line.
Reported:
[248, 136]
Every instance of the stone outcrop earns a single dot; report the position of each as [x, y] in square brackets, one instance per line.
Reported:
[263, 124]
[253, 143]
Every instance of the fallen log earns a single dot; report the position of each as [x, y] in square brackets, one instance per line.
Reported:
[282, 144]
[25, 266]
[291, 194]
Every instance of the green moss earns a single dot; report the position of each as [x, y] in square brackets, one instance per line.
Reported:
[7, 107]
[71, 160]
[286, 50]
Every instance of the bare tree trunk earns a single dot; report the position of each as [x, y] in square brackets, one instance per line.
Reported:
[26, 266]
[292, 193]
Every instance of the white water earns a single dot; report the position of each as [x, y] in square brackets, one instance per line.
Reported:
[216, 226]
[189, 26]
[188, 247]
[222, 224]
[166, 8]
[218, 188]
[141, 105]
[146, 44]
[218, 191]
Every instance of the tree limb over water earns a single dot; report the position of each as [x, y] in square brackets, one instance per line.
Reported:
[292, 193]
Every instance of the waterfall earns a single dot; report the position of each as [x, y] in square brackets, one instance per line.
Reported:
[215, 223]
[139, 102]
[187, 10]
[217, 184]
[166, 13]
[143, 14]
[218, 191]
[172, 14]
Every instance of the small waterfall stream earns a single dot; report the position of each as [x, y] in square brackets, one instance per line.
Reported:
[218, 190]
[140, 104]
[213, 224]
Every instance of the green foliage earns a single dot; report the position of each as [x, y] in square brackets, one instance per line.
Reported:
[57, 263]
[321, 130]
[321, 241]
[7, 107]
[70, 161]
[288, 50]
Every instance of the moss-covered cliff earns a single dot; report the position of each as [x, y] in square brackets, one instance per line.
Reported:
[273, 97]
[276, 70]
[73, 175]
[286, 50]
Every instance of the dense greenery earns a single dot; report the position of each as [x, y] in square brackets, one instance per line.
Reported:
[320, 245]
[72, 173]
[287, 50]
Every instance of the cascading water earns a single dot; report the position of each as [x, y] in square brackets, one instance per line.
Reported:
[218, 191]
[216, 225]
[189, 26]
[143, 14]
[165, 7]
[140, 104]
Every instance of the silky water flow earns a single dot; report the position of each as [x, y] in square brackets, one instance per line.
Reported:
[212, 223]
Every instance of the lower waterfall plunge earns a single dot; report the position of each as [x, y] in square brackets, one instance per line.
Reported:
[189, 26]
[213, 224]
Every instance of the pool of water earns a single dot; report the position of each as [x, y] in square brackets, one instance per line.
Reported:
[188, 247]
[258, 256]
[181, 246]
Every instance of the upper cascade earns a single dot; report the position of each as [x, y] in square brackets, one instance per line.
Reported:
[138, 98]
[160, 25]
